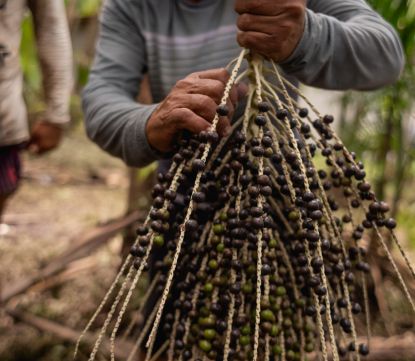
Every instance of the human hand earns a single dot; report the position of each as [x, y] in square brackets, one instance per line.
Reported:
[44, 137]
[191, 105]
[272, 28]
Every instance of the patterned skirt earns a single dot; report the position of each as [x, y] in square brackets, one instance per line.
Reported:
[10, 168]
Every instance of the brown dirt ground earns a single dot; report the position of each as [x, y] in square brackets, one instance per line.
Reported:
[62, 194]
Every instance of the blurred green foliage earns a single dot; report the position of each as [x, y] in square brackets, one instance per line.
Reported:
[29, 61]
[87, 8]
[379, 125]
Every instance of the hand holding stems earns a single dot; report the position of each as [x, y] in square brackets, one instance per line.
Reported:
[272, 28]
[191, 105]
[44, 137]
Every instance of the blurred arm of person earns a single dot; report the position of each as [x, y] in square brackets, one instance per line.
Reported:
[55, 57]
[138, 133]
[332, 44]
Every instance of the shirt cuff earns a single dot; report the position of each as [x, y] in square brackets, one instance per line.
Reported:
[57, 119]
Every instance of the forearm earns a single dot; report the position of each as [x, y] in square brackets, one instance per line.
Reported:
[113, 118]
[55, 56]
[347, 47]
[117, 123]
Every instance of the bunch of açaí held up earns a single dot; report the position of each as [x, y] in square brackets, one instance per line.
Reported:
[257, 253]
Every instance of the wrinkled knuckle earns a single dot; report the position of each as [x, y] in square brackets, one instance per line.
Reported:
[296, 11]
[192, 76]
[188, 114]
[179, 84]
[206, 102]
[173, 114]
[243, 21]
[183, 83]
[183, 113]
[167, 104]
[218, 89]
[179, 117]
[242, 38]
[223, 73]
[239, 6]
[162, 117]
[171, 101]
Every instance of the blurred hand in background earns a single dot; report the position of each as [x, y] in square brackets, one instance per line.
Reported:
[44, 137]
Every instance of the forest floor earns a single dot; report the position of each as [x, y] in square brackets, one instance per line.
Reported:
[62, 194]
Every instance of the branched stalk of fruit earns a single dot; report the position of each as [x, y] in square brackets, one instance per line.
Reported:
[258, 252]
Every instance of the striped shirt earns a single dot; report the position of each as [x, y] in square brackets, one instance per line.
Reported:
[345, 45]
[55, 57]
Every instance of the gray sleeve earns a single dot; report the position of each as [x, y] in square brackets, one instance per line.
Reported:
[113, 118]
[346, 45]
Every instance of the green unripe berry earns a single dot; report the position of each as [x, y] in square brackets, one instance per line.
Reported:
[277, 350]
[244, 340]
[165, 214]
[273, 243]
[212, 355]
[246, 330]
[276, 307]
[247, 288]
[268, 152]
[280, 291]
[218, 229]
[290, 355]
[208, 287]
[209, 334]
[159, 240]
[294, 216]
[223, 217]
[308, 328]
[275, 331]
[300, 302]
[309, 347]
[213, 264]
[220, 248]
[206, 321]
[205, 345]
[267, 315]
